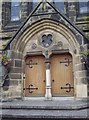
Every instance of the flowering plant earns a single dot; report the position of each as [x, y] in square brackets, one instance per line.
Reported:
[5, 60]
[85, 58]
[86, 53]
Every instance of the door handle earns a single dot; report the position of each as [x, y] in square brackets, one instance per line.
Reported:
[43, 80]
[53, 80]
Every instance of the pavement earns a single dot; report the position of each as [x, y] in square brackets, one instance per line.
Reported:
[45, 109]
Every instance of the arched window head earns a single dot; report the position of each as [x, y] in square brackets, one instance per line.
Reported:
[15, 10]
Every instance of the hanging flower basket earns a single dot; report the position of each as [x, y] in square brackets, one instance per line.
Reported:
[85, 53]
[86, 58]
[5, 60]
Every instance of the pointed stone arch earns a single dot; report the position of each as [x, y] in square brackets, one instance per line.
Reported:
[45, 24]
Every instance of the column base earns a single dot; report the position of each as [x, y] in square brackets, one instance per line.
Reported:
[48, 95]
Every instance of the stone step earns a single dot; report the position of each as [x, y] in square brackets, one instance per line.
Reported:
[14, 113]
[44, 109]
[46, 105]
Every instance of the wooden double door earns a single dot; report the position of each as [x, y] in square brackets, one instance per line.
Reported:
[61, 76]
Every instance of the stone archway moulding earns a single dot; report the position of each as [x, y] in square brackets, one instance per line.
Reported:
[20, 43]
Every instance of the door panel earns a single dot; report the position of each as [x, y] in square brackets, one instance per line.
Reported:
[35, 76]
[62, 75]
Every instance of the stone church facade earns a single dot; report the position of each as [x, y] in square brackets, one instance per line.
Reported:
[47, 57]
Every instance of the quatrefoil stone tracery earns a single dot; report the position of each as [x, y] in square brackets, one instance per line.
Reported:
[47, 40]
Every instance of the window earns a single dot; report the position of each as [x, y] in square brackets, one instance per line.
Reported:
[35, 3]
[59, 4]
[47, 40]
[83, 7]
[15, 10]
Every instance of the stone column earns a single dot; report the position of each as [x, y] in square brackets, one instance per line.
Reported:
[48, 94]
[81, 77]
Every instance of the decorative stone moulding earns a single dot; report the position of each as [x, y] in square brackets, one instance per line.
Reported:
[34, 46]
[46, 40]
[60, 44]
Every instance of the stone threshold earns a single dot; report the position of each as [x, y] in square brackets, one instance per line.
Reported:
[53, 98]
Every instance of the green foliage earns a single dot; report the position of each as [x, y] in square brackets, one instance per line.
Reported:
[85, 52]
[5, 59]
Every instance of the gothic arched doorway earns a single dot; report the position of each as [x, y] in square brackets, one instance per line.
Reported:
[61, 71]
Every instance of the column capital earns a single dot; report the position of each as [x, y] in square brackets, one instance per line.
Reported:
[47, 54]
[47, 60]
